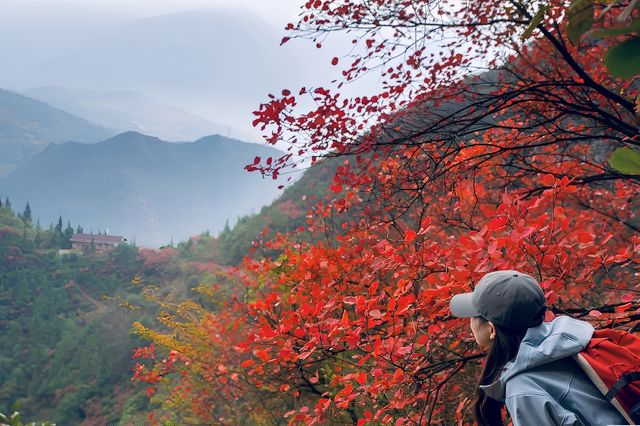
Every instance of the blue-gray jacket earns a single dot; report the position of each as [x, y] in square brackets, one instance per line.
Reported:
[543, 385]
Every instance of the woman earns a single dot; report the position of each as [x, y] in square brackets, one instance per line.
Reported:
[529, 365]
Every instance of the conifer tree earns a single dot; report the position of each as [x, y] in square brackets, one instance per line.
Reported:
[38, 238]
[66, 237]
[26, 214]
[59, 226]
[58, 237]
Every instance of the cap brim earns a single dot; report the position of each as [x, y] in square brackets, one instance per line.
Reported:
[462, 307]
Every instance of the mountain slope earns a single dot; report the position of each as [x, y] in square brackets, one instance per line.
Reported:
[143, 188]
[27, 126]
[125, 111]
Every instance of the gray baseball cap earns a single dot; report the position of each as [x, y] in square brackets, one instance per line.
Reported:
[509, 299]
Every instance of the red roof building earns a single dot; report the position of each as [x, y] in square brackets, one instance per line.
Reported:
[99, 241]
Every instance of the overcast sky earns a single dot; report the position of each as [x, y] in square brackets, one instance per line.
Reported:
[219, 59]
[276, 12]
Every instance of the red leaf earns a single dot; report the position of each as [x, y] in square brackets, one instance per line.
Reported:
[345, 318]
[323, 404]
[262, 354]
[627, 297]
[247, 363]
[623, 308]
[409, 236]
[362, 378]
[267, 332]
[585, 237]
[548, 180]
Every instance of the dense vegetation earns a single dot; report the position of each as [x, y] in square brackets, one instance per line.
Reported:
[66, 316]
[64, 351]
[337, 312]
[505, 136]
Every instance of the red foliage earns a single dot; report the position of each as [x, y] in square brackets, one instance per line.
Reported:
[453, 176]
[210, 267]
[153, 257]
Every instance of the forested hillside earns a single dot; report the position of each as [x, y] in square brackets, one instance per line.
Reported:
[65, 352]
[65, 318]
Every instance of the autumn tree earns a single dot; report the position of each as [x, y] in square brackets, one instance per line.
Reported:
[488, 147]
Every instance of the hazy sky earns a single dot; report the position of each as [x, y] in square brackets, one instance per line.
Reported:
[215, 58]
[275, 12]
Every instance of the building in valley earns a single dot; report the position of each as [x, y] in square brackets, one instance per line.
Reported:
[99, 241]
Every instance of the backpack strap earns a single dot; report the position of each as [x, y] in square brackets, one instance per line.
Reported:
[602, 387]
[622, 382]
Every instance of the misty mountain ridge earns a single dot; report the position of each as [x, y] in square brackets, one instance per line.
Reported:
[142, 187]
[130, 111]
[218, 63]
[27, 126]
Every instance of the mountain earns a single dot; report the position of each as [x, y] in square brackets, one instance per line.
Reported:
[27, 126]
[142, 187]
[129, 111]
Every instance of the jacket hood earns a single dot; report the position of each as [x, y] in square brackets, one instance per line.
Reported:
[550, 341]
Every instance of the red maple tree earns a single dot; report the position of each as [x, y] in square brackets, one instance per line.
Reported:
[486, 149]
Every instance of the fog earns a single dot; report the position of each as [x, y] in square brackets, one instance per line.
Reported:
[216, 59]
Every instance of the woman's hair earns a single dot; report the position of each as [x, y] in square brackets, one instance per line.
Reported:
[505, 347]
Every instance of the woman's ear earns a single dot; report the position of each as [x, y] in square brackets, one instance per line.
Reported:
[492, 331]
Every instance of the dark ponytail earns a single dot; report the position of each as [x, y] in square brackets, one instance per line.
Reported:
[504, 349]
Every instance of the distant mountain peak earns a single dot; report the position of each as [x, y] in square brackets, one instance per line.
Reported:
[125, 110]
[136, 184]
[131, 137]
[28, 125]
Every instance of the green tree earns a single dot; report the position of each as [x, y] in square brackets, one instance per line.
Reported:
[38, 238]
[66, 236]
[26, 214]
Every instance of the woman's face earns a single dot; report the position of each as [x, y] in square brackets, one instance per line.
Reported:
[484, 331]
